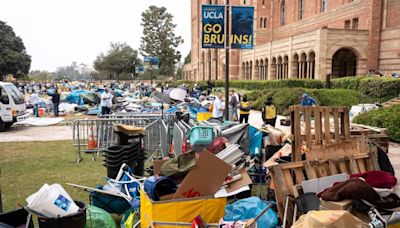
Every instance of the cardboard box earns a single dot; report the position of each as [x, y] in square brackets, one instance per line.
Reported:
[205, 179]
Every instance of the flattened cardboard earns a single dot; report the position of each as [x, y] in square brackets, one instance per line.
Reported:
[244, 181]
[205, 179]
[157, 165]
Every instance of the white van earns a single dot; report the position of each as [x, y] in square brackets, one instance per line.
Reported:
[12, 106]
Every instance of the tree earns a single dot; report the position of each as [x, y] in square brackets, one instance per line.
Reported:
[159, 39]
[188, 58]
[121, 58]
[13, 57]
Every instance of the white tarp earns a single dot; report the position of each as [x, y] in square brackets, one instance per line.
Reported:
[39, 121]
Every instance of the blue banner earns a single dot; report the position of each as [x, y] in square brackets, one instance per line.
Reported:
[213, 30]
[242, 27]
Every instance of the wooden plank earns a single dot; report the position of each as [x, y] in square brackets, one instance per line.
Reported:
[336, 124]
[368, 163]
[292, 165]
[321, 171]
[332, 167]
[353, 165]
[307, 119]
[310, 171]
[342, 166]
[317, 125]
[346, 121]
[374, 159]
[296, 156]
[280, 188]
[327, 126]
[299, 175]
[361, 165]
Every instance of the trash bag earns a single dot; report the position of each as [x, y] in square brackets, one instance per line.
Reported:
[178, 167]
[97, 217]
[250, 208]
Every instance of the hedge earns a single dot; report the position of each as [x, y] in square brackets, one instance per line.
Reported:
[380, 87]
[283, 98]
[385, 117]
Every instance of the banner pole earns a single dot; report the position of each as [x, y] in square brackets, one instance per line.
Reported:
[227, 46]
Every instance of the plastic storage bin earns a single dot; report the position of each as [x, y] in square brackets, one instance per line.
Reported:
[201, 135]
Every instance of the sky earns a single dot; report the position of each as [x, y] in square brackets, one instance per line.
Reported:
[58, 32]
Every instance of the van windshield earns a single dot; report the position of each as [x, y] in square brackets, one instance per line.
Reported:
[15, 94]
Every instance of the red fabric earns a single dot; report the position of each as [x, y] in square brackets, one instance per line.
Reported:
[377, 179]
[217, 145]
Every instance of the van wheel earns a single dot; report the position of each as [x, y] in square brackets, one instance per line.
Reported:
[8, 125]
[2, 126]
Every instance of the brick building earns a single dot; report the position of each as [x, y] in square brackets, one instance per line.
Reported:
[305, 39]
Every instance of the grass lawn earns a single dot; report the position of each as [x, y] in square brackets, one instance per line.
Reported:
[26, 166]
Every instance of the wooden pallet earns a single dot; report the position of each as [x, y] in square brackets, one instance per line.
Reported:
[287, 177]
[377, 135]
[394, 101]
[331, 125]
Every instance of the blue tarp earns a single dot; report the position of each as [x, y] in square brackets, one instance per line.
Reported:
[75, 97]
[255, 141]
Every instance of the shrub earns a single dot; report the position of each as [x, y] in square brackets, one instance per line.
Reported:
[283, 98]
[383, 88]
[385, 117]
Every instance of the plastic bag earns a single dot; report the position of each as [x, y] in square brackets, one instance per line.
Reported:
[249, 208]
[97, 217]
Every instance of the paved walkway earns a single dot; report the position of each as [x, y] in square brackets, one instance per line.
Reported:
[50, 133]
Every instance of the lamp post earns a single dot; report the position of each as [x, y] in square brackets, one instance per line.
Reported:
[227, 46]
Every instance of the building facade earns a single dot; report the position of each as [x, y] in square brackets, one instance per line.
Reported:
[305, 39]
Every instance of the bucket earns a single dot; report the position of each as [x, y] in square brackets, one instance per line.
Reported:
[77, 220]
[156, 187]
[41, 112]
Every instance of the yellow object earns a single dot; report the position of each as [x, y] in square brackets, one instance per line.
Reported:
[244, 105]
[270, 112]
[130, 220]
[203, 116]
[211, 210]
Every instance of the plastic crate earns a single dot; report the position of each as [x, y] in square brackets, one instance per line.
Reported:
[201, 116]
[201, 135]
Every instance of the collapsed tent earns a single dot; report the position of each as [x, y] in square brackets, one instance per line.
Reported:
[83, 97]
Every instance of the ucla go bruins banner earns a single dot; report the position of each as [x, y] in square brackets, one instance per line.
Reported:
[213, 30]
[242, 27]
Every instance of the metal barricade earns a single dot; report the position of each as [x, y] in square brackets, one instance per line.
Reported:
[94, 135]
[169, 118]
[178, 139]
[165, 142]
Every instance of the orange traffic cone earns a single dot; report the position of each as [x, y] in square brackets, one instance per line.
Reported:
[92, 142]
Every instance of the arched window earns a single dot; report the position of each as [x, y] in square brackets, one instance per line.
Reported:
[301, 9]
[265, 22]
[283, 13]
[244, 2]
[263, 2]
[261, 22]
[324, 5]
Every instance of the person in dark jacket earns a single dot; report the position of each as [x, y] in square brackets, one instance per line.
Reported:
[55, 98]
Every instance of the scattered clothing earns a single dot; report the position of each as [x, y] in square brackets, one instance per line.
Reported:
[377, 179]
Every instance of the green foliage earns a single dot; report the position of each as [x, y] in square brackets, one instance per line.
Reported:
[13, 57]
[121, 58]
[188, 58]
[41, 76]
[379, 87]
[283, 98]
[159, 40]
[271, 84]
[385, 117]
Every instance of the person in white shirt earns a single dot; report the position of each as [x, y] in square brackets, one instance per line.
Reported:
[218, 107]
[106, 102]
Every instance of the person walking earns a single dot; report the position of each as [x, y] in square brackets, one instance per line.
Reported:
[269, 113]
[55, 98]
[307, 100]
[244, 110]
[233, 103]
[218, 107]
[106, 102]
